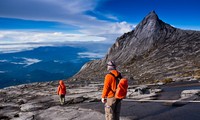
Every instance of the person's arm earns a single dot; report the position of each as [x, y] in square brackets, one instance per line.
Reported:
[58, 90]
[106, 86]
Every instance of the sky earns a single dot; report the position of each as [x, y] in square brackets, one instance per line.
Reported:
[27, 24]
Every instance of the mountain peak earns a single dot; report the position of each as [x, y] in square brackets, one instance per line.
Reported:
[154, 50]
[149, 25]
[152, 15]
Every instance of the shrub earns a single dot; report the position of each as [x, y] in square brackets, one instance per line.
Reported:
[196, 77]
[196, 74]
[156, 81]
[167, 80]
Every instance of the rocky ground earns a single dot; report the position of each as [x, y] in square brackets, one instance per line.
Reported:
[38, 101]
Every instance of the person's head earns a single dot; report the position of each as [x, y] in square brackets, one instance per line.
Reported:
[61, 82]
[111, 65]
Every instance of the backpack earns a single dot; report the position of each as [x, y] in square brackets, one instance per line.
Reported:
[122, 86]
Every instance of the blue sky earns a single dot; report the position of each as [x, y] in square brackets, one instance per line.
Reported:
[49, 22]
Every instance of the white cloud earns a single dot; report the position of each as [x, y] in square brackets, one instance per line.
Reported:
[10, 48]
[2, 71]
[26, 61]
[112, 17]
[30, 61]
[68, 12]
[121, 27]
[118, 28]
[3, 60]
[18, 63]
[43, 37]
[56, 61]
[91, 55]
[8, 37]
[105, 15]
[15, 41]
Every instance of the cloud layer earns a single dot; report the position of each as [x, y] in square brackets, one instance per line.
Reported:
[8, 37]
[67, 12]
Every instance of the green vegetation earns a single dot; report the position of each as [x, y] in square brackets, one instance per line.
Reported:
[187, 74]
[165, 80]
[196, 74]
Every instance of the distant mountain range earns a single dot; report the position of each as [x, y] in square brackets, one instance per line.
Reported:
[46, 63]
[153, 51]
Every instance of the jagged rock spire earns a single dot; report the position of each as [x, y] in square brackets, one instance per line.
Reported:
[149, 52]
[149, 25]
[147, 35]
[141, 39]
[138, 41]
[152, 15]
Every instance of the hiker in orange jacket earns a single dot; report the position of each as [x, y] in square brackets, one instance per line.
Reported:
[112, 105]
[61, 92]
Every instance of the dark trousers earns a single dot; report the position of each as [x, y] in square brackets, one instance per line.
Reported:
[62, 99]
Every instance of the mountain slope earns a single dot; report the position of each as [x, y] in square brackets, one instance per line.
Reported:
[154, 50]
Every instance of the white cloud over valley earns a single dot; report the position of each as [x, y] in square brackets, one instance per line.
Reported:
[15, 41]
[30, 61]
[10, 37]
[2, 71]
[26, 61]
[67, 12]
[91, 55]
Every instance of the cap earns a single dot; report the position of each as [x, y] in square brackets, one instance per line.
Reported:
[111, 63]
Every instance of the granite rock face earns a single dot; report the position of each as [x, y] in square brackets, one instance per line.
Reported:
[154, 50]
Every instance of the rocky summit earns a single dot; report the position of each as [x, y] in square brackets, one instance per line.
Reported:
[154, 51]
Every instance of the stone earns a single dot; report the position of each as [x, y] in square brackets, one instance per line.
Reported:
[21, 101]
[190, 93]
[31, 107]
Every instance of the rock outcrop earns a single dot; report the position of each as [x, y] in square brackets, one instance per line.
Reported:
[39, 101]
[154, 50]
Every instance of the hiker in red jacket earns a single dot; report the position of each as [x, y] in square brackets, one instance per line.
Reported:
[61, 92]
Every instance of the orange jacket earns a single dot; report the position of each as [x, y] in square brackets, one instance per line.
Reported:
[61, 88]
[109, 85]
